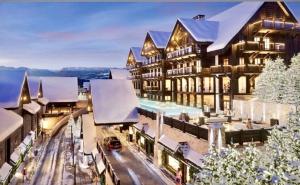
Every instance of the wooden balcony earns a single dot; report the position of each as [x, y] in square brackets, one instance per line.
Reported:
[221, 69]
[134, 66]
[248, 69]
[186, 52]
[266, 25]
[152, 75]
[184, 71]
[151, 88]
[261, 47]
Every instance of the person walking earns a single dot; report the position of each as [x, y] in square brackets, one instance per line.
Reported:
[178, 178]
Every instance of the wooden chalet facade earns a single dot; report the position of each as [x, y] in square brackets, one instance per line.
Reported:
[210, 61]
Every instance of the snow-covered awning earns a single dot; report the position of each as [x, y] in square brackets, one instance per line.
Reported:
[194, 157]
[27, 140]
[5, 171]
[60, 89]
[168, 142]
[114, 101]
[43, 101]
[99, 163]
[122, 74]
[34, 84]
[11, 87]
[182, 147]
[144, 127]
[10, 121]
[16, 155]
[32, 107]
[89, 133]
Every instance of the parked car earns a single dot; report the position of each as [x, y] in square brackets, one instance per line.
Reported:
[112, 143]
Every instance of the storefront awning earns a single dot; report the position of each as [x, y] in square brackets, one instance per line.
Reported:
[43, 101]
[15, 156]
[32, 134]
[144, 127]
[168, 142]
[99, 164]
[32, 107]
[27, 140]
[5, 171]
[194, 157]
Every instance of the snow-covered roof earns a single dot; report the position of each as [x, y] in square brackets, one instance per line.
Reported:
[5, 171]
[136, 51]
[11, 85]
[32, 107]
[231, 22]
[43, 101]
[188, 153]
[120, 74]
[60, 89]
[168, 142]
[34, 84]
[145, 127]
[160, 38]
[114, 101]
[27, 140]
[89, 133]
[201, 30]
[9, 122]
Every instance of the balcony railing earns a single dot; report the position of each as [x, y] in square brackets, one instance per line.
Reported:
[221, 69]
[133, 66]
[184, 71]
[183, 52]
[261, 46]
[152, 75]
[277, 25]
[249, 68]
[152, 61]
[151, 88]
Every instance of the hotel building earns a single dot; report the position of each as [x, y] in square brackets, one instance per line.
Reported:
[208, 62]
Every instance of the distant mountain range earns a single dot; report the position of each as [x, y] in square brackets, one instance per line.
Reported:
[83, 73]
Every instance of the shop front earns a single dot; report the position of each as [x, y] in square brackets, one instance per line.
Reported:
[179, 160]
[144, 138]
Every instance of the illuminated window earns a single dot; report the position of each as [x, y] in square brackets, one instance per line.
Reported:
[225, 62]
[208, 84]
[256, 39]
[142, 140]
[242, 61]
[199, 102]
[242, 84]
[267, 43]
[209, 101]
[257, 61]
[168, 85]
[173, 163]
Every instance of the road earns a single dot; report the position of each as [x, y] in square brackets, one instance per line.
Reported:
[130, 169]
[48, 166]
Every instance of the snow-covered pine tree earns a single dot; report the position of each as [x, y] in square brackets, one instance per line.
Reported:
[292, 85]
[270, 86]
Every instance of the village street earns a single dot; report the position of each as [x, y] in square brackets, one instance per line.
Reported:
[128, 165]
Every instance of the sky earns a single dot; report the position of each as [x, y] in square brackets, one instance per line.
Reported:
[57, 35]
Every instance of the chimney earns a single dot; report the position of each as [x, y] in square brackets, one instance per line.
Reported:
[199, 17]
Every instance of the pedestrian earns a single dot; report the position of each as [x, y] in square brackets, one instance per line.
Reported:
[24, 174]
[178, 177]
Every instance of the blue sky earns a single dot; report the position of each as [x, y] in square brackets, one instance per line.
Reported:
[56, 35]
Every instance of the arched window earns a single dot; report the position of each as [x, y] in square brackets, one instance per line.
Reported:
[242, 84]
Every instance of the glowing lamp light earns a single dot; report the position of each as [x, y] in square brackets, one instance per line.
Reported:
[89, 108]
[24, 98]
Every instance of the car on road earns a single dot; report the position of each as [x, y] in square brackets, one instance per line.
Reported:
[112, 143]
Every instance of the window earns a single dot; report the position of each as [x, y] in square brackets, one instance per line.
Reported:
[267, 43]
[168, 85]
[173, 163]
[225, 62]
[242, 61]
[208, 84]
[199, 102]
[257, 61]
[209, 101]
[242, 84]
[256, 39]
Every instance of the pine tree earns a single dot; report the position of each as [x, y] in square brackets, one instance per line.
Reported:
[292, 84]
[271, 82]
